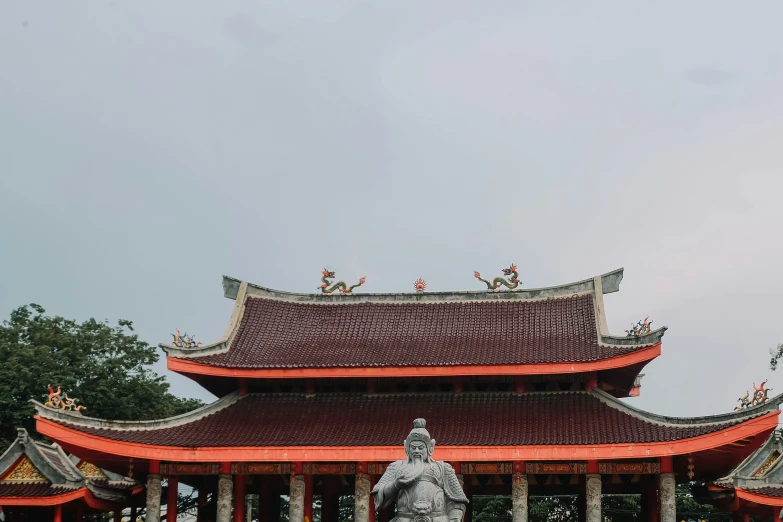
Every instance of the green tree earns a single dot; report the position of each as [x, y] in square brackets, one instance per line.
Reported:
[777, 354]
[105, 366]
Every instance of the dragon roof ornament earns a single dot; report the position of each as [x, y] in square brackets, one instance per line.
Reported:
[495, 285]
[760, 396]
[59, 400]
[328, 288]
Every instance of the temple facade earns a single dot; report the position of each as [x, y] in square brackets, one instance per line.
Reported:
[522, 389]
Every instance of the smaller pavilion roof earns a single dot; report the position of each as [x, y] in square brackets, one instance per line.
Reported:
[560, 329]
[32, 470]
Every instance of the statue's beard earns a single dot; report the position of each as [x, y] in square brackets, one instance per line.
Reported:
[415, 466]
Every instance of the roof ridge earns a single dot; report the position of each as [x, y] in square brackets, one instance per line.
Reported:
[76, 419]
[663, 420]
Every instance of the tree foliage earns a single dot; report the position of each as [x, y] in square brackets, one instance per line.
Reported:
[105, 366]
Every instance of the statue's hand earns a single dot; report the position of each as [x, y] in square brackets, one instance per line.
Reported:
[404, 481]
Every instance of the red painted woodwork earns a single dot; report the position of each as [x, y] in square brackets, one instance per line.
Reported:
[298, 467]
[71, 438]
[308, 498]
[744, 494]
[639, 356]
[239, 498]
[592, 466]
[225, 468]
[667, 464]
[592, 381]
[171, 500]
[58, 513]
[371, 517]
[154, 467]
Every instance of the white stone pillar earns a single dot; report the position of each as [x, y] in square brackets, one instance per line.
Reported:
[667, 496]
[519, 491]
[225, 498]
[593, 498]
[296, 499]
[153, 498]
[249, 508]
[361, 498]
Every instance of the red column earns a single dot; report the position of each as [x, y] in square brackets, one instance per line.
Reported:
[171, 500]
[308, 500]
[653, 506]
[371, 518]
[239, 498]
[58, 513]
[117, 515]
[745, 517]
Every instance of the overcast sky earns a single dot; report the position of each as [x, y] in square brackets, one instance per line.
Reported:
[147, 148]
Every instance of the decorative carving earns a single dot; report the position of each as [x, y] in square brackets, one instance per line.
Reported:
[58, 399]
[423, 489]
[629, 468]
[420, 285]
[760, 396]
[643, 327]
[342, 286]
[487, 468]
[260, 468]
[512, 282]
[175, 468]
[92, 471]
[25, 471]
[376, 468]
[767, 464]
[184, 341]
[546, 468]
[313, 468]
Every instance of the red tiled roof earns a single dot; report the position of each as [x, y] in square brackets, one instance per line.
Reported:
[288, 334]
[768, 491]
[31, 490]
[454, 419]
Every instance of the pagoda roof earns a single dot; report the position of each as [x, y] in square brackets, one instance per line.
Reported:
[36, 473]
[370, 427]
[552, 330]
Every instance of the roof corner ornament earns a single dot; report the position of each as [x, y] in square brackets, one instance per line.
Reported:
[423, 489]
[420, 285]
[643, 327]
[59, 400]
[760, 396]
[511, 283]
[342, 286]
[184, 341]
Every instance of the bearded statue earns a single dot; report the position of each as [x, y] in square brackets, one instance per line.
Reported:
[424, 490]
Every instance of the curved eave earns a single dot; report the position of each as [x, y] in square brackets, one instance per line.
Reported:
[75, 439]
[240, 291]
[190, 367]
[53, 500]
[756, 498]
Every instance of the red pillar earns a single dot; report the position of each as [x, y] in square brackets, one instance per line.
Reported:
[117, 515]
[58, 513]
[239, 498]
[201, 503]
[371, 518]
[171, 500]
[745, 517]
[653, 506]
[308, 500]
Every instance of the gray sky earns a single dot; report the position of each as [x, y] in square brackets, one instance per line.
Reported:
[147, 148]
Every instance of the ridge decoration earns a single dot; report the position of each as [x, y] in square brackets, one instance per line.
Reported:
[59, 400]
[342, 286]
[643, 327]
[760, 396]
[184, 341]
[511, 283]
[420, 285]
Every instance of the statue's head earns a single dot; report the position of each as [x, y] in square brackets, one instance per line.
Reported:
[419, 444]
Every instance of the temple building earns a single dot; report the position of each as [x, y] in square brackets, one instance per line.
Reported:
[523, 391]
[40, 482]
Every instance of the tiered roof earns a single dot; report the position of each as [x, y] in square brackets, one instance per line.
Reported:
[551, 330]
[35, 473]
[278, 427]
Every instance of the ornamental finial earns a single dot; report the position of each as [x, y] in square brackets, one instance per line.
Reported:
[511, 283]
[420, 285]
[643, 327]
[59, 400]
[341, 286]
[760, 396]
[184, 341]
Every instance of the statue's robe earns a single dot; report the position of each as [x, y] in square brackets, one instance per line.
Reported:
[438, 486]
